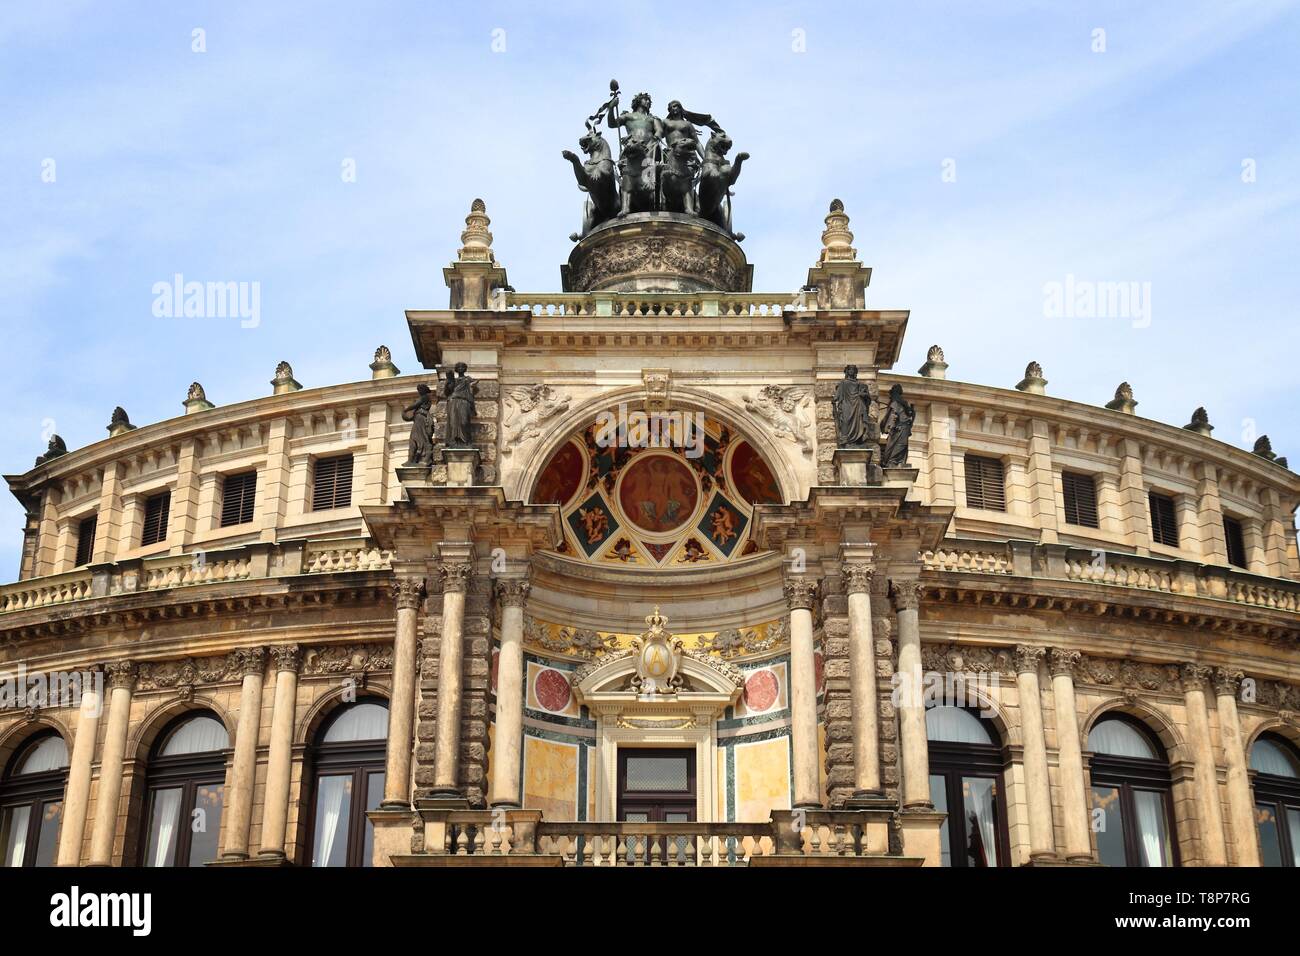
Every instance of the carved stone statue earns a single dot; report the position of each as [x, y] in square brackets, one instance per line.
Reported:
[638, 153]
[716, 179]
[897, 426]
[459, 391]
[419, 453]
[596, 178]
[854, 426]
[56, 449]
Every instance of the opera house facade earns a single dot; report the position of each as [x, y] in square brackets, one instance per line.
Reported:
[654, 570]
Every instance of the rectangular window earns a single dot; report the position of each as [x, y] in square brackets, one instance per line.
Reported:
[985, 484]
[1164, 522]
[332, 483]
[238, 494]
[1236, 541]
[1080, 499]
[86, 539]
[156, 508]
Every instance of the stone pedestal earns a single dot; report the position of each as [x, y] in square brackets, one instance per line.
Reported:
[462, 466]
[901, 475]
[856, 467]
[413, 474]
[921, 835]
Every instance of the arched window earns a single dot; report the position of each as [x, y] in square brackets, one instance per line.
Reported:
[1132, 808]
[1276, 766]
[966, 783]
[348, 776]
[31, 802]
[186, 792]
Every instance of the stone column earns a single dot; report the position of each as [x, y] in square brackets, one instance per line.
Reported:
[910, 700]
[800, 593]
[408, 593]
[1074, 799]
[508, 740]
[862, 681]
[1241, 800]
[446, 759]
[1037, 786]
[243, 775]
[121, 682]
[1214, 849]
[275, 813]
[77, 795]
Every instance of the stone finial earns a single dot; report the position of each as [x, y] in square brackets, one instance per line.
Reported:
[119, 423]
[1123, 400]
[837, 240]
[476, 241]
[1033, 382]
[1200, 423]
[1263, 448]
[382, 366]
[56, 448]
[196, 400]
[935, 366]
[284, 380]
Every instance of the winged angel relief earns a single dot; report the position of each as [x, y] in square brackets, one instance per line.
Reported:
[529, 408]
[786, 410]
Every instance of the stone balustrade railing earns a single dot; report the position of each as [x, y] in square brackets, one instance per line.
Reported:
[656, 304]
[351, 554]
[43, 592]
[332, 556]
[1114, 569]
[199, 567]
[817, 833]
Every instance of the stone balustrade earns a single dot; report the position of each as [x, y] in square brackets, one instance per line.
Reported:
[332, 556]
[814, 834]
[642, 304]
[43, 592]
[352, 554]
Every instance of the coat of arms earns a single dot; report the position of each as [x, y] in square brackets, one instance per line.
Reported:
[658, 658]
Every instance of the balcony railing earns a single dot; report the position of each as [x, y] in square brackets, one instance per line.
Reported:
[1019, 558]
[812, 836]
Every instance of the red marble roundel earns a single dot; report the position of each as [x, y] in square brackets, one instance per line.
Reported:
[552, 689]
[761, 689]
[658, 493]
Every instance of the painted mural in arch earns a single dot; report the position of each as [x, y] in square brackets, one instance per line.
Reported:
[674, 501]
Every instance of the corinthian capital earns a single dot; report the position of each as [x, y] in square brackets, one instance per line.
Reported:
[907, 594]
[800, 593]
[455, 577]
[287, 657]
[121, 674]
[512, 592]
[408, 592]
[1027, 658]
[249, 660]
[1062, 662]
[1194, 676]
[857, 578]
[1226, 682]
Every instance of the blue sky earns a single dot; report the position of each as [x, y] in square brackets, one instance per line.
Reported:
[225, 165]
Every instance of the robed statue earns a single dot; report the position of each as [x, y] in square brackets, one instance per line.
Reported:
[459, 391]
[897, 426]
[854, 425]
[419, 449]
